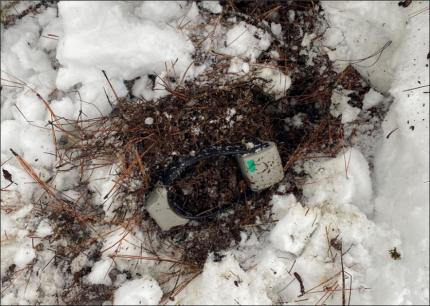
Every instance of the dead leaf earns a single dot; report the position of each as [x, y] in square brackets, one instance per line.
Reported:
[7, 176]
[405, 3]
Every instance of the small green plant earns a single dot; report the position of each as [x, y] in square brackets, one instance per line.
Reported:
[395, 254]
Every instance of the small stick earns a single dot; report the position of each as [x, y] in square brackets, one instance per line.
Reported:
[289, 271]
[302, 287]
[389, 134]
[331, 292]
[343, 277]
[110, 84]
[185, 73]
[309, 290]
[289, 283]
[415, 88]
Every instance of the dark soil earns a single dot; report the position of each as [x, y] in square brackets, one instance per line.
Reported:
[206, 113]
[211, 184]
[216, 182]
[84, 294]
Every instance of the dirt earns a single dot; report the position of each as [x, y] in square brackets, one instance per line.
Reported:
[84, 294]
[211, 184]
[146, 136]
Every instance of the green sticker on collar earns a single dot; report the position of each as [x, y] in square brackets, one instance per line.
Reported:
[251, 165]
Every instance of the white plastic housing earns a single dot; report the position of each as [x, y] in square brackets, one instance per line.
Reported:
[263, 168]
[158, 207]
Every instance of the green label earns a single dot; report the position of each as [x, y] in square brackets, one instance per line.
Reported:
[251, 165]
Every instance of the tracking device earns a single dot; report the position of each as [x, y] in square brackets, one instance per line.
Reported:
[261, 167]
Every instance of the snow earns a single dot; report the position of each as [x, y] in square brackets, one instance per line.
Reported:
[125, 51]
[29, 108]
[238, 66]
[266, 273]
[44, 229]
[340, 107]
[149, 120]
[162, 12]
[224, 282]
[212, 6]
[371, 99]
[246, 41]
[123, 245]
[292, 233]
[100, 273]
[144, 88]
[64, 108]
[307, 39]
[102, 182]
[10, 128]
[358, 30]
[341, 180]
[111, 50]
[24, 256]
[39, 152]
[230, 113]
[78, 263]
[281, 205]
[278, 82]
[276, 29]
[402, 161]
[141, 291]
[370, 206]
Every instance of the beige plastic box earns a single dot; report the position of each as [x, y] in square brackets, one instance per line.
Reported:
[263, 168]
[157, 205]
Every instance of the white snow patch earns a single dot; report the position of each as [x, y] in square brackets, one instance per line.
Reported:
[102, 181]
[341, 180]
[276, 29]
[64, 108]
[103, 35]
[224, 282]
[371, 99]
[293, 231]
[278, 82]
[29, 108]
[44, 229]
[339, 106]
[162, 11]
[149, 120]
[245, 40]
[281, 205]
[238, 66]
[78, 263]
[212, 6]
[149, 89]
[358, 30]
[9, 130]
[402, 161]
[141, 291]
[24, 256]
[40, 152]
[107, 36]
[100, 273]
[307, 39]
